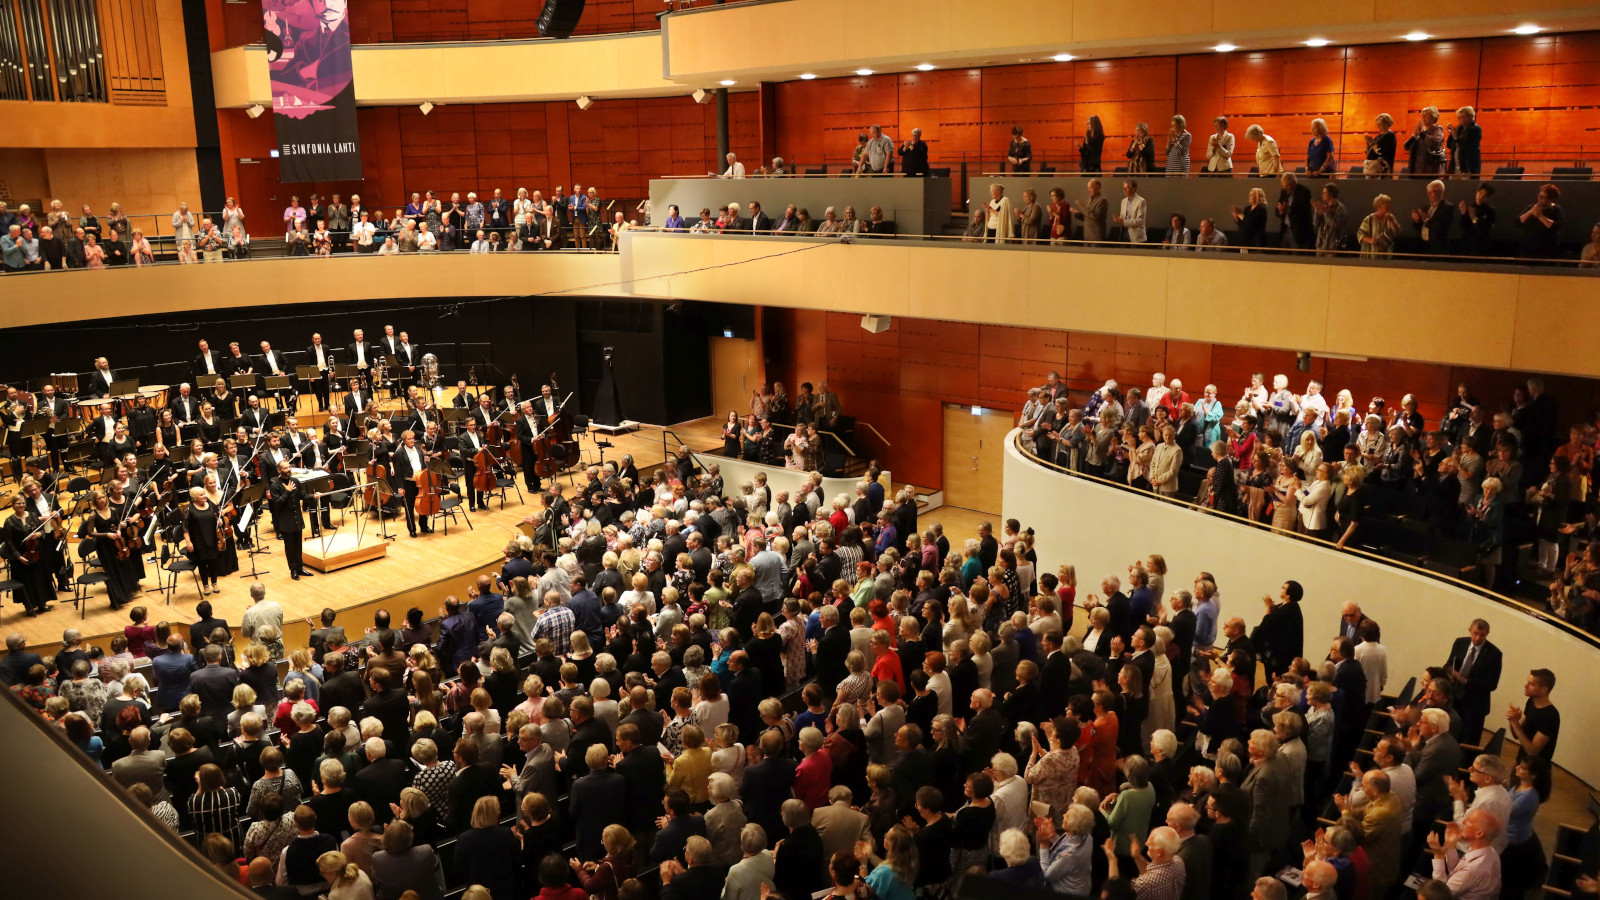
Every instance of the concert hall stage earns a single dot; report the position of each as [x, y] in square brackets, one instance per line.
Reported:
[414, 572]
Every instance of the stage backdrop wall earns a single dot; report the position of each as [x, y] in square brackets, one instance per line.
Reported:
[1099, 529]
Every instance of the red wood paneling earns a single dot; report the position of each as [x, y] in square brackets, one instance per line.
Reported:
[1538, 98]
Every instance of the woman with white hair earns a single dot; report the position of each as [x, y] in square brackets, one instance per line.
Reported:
[1378, 230]
[1426, 144]
[830, 223]
[1067, 857]
[1320, 158]
[1022, 868]
[1268, 160]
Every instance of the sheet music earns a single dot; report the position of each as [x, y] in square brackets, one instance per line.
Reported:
[245, 515]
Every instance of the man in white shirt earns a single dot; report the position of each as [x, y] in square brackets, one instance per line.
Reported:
[1132, 214]
[261, 612]
[1488, 772]
[1474, 875]
[735, 168]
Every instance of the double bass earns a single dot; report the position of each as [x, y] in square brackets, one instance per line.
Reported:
[429, 487]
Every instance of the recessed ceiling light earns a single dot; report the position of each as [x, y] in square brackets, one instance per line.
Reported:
[807, 76]
[863, 71]
[727, 82]
[1063, 57]
[926, 67]
[1225, 48]
[1418, 36]
[1318, 42]
[1527, 29]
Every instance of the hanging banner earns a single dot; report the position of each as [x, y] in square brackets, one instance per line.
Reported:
[313, 94]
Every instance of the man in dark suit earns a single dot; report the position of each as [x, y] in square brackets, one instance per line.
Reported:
[912, 770]
[19, 660]
[587, 732]
[1474, 667]
[1055, 676]
[185, 408]
[646, 721]
[1351, 680]
[388, 703]
[362, 355]
[1433, 221]
[681, 825]
[640, 764]
[207, 365]
[172, 670]
[284, 499]
[668, 678]
[700, 879]
[832, 648]
[1350, 620]
[199, 631]
[214, 684]
[1117, 606]
[342, 687]
[744, 696]
[1280, 637]
[1298, 229]
[381, 780]
[767, 783]
[759, 222]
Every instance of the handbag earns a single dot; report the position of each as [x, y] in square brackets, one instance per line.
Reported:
[1375, 167]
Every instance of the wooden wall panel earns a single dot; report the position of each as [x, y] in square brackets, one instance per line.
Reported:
[1538, 99]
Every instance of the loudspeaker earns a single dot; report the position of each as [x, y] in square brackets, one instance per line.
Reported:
[701, 95]
[875, 324]
[1302, 361]
[560, 17]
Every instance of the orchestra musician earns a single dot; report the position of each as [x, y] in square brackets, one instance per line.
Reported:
[321, 356]
[129, 510]
[101, 379]
[508, 401]
[36, 593]
[101, 526]
[485, 415]
[40, 490]
[389, 343]
[409, 355]
[470, 440]
[208, 365]
[234, 468]
[423, 417]
[142, 422]
[193, 463]
[238, 362]
[546, 405]
[269, 456]
[16, 411]
[210, 425]
[333, 438]
[361, 355]
[355, 403]
[529, 427]
[228, 555]
[103, 427]
[200, 538]
[284, 500]
[270, 364]
[47, 405]
[166, 430]
[463, 399]
[119, 444]
[253, 418]
[185, 408]
[293, 443]
[223, 399]
[409, 461]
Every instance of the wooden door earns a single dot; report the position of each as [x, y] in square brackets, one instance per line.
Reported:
[735, 372]
[974, 445]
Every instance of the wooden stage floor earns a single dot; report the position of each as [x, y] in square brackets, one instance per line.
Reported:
[409, 563]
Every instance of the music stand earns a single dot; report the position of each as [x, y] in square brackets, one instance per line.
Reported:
[34, 428]
[189, 431]
[275, 420]
[81, 506]
[243, 381]
[276, 386]
[126, 386]
[252, 496]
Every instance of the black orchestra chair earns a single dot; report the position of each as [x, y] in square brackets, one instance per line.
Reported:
[9, 586]
[93, 573]
[345, 499]
[174, 563]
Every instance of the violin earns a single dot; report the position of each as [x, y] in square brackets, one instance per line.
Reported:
[30, 544]
[225, 517]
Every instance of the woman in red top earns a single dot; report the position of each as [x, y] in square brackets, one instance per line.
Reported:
[602, 880]
[882, 621]
[1097, 767]
[812, 777]
[839, 519]
[139, 633]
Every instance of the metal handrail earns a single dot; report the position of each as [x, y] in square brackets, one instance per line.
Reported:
[836, 439]
[1514, 603]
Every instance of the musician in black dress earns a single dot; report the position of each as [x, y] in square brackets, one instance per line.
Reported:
[101, 526]
[166, 430]
[228, 556]
[200, 538]
[36, 592]
[192, 464]
[142, 422]
[210, 426]
[132, 512]
[409, 461]
[119, 446]
[284, 499]
[223, 399]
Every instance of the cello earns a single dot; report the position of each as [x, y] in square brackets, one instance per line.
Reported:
[377, 489]
[428, 491]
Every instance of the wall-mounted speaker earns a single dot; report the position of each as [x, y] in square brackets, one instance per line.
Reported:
[875, 324]
[560, 17]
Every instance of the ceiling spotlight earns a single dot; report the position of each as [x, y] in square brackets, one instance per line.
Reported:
[926, 67]
[1526, 29]
[1418, 36]
[255, 110]
[1063, 57]
[584, 102]
[426, 107]
[1225, 48]
[1317, 42]
[863, 71]
[727, 82]
[807, 76]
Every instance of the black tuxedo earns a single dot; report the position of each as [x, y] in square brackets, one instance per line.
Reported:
[285, 505]
[371, 357]
[1483, 678]
[406, 473]
[201, 376]
[321, 386]
[97, 385]
[253, 419]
